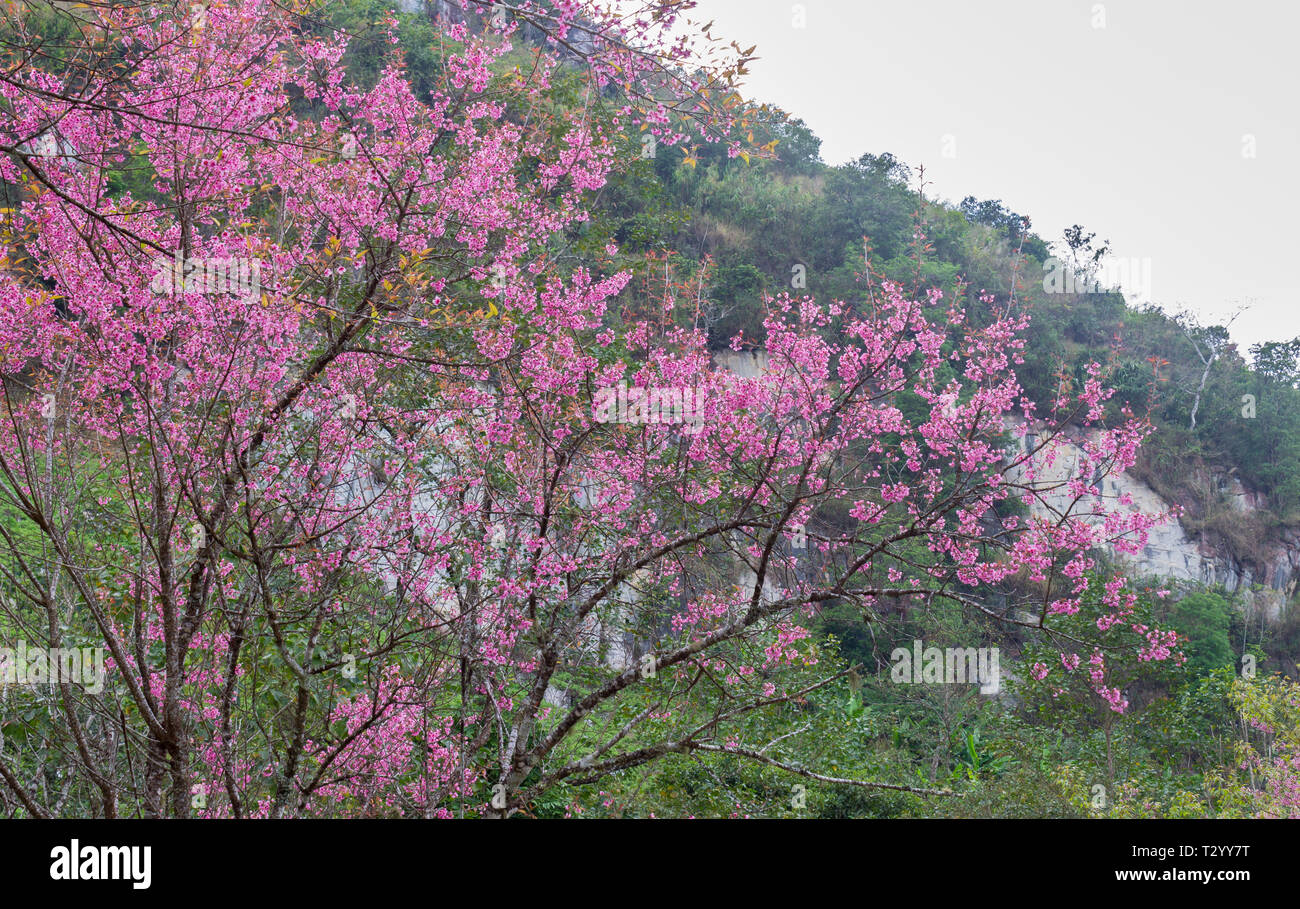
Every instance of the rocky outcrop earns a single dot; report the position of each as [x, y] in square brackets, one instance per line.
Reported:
[580, 40]
[747, 364]
[1264, 582]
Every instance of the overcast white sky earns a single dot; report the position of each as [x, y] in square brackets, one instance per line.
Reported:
[1135, 130]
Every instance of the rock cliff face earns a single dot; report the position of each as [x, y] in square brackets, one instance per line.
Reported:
[746, 363]
[1265, 581]
[451, 12]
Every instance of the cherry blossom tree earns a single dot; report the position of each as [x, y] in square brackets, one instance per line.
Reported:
[303, 426]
